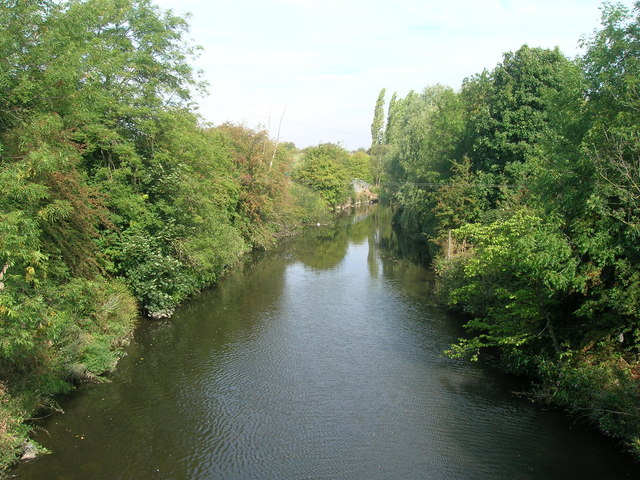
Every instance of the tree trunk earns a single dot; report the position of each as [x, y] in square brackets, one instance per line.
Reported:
[552, 333]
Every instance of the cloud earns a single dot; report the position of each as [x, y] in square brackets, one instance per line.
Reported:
[325, 62]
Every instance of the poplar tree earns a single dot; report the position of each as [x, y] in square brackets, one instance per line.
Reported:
[391, 116]
[377, 127]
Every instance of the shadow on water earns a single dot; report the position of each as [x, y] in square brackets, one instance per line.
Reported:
[322, 359]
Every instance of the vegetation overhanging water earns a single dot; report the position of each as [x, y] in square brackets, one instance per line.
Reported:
[321, 359]
[118, 200]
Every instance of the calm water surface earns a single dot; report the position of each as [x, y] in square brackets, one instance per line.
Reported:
[323, 361]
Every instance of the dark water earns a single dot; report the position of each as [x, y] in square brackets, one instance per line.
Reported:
[322, 361]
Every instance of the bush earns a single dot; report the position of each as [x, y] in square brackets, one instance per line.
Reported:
[599, 384]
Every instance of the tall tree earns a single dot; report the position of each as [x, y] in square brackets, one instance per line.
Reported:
[612, 148]
[377, 126]
[515, 118]
[391, 117]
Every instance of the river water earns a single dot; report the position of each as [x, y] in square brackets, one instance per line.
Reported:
[320, 360]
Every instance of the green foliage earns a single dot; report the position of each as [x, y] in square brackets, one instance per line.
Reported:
[512, 116]
[464, 198]
[153, 275]
[377, 126]
[526, 183]
[359, 166]
[115, 200]
[99, 319]
[308, 207]
[596, 383]
[262, 168]
[425, 140]
[519, 272]
[428, 127]
[12, 429]
[325, 169]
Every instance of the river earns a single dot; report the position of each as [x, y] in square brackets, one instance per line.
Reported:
[319, 360]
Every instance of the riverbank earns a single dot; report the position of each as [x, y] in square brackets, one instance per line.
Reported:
[524, 184]
[88, 353]
[596, 380]
[118, 198]
[101, 316]
[319, 357]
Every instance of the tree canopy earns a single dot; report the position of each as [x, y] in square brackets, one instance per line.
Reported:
[524, 187]
[116, 200]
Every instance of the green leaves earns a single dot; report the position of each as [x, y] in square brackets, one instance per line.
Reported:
[529, 248]
[516, 273]
[526, 186]
[105, 172]
[325, 169]
[513, 115]
[377, 126]
[156, 278]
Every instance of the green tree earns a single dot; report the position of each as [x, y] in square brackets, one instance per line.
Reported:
[515, 117]
[359, 166]
[513, 284]
[611, 148]
[377, 126]
[325, 169]
[427, 129]
[391, 117]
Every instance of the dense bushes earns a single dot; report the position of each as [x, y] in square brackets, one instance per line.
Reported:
[115, 200]
[525, 186]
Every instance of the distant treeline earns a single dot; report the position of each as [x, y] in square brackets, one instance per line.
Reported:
[525, 186]
[115, 199]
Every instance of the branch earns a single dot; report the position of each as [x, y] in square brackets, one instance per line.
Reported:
[275, 149]
[2, 272]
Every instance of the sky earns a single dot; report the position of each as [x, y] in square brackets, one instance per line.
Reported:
[310, 71]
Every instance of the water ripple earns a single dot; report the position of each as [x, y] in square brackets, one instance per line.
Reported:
[289, 372]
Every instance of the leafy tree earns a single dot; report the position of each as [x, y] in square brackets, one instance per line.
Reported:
[533, 168]
[426, 131]
[514, 119]
[262, 168]
[377, 126]
[391, 117]
[325, 169]
[611, 148]
[464, 198]
[359, 166]
[106, 172]
[519, 273]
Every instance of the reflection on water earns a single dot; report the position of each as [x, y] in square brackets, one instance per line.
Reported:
[320, 360]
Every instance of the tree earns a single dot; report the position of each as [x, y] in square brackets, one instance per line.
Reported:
[515, 117]
[426, 133]
[613, 73]
[377, 126]
[359, 166]
[391, 117]
[611, 149]
[463, 198]
[519, 273]
[325, 169]
[262, 169]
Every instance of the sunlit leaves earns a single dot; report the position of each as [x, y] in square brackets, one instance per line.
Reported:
[518, 270]
[512, 116]
[325, 169]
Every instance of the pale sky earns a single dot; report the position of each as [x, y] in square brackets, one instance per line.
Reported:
[320, 64]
